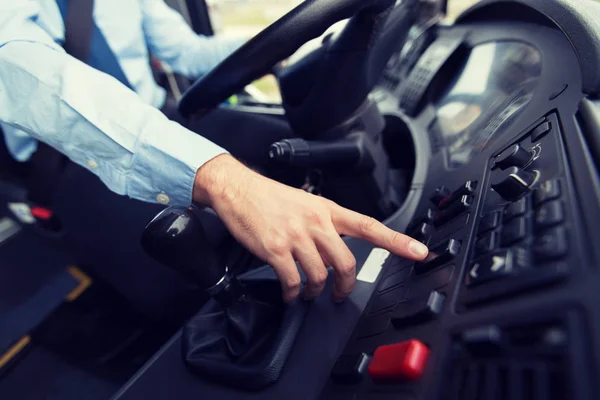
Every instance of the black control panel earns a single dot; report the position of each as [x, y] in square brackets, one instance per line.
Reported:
[519, 358]
[525, 236]
[492, 312]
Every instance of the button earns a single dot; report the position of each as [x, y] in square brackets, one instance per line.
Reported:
[386, 300]
[514, 231]
[163, 199]
[488, 242]
[552, 245]
[438, 256]
[418, 310]
[41, 213]
[516, 209]
[423, 232]
[549, 190]
[350, 368]
[467, 189]
[92, 164]
[482, 337]
[425, 219]
[394, 59]
[521, 257]
[457, 208]
[493, 266]
[489, 221]
[513, 182]
[540, 131]
[372, 326]
[526, 280]
[399, 362]
[394, 280]
[449, 229]
[439, 194]
[514, 156]
[429, 215]
[549, 215]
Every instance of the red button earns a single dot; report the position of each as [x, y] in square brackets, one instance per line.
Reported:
[41, 213]
[399, 362]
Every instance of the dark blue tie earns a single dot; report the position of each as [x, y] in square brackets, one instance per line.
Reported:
[101, 56]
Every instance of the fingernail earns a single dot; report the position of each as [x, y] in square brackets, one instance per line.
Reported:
[418, 249]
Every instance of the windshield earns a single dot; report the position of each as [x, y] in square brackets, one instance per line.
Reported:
[248, 17]
[456, 7]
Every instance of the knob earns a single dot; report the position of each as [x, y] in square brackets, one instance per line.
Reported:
[176, 238]
[514, 156]
[513, 182]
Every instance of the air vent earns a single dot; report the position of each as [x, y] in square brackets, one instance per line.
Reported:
[528, 362]
[508, 381]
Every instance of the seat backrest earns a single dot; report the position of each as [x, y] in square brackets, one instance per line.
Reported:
[10, 169]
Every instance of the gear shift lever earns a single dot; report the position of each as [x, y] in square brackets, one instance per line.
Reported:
[244, 335]
[176, 238]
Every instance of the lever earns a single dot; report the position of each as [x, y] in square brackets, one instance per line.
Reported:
[351, 153]
[513, 182]
[514, 156]
[176, 238]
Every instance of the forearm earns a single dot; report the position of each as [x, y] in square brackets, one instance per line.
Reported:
[172, 41]
[203, 54]
[99, 123]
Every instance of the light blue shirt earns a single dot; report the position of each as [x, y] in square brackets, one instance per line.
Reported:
[118, 134]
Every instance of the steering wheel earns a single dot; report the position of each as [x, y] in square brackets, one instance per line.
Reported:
[257, 57]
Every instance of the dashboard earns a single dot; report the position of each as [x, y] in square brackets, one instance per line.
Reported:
[504, 307]
[505, 192]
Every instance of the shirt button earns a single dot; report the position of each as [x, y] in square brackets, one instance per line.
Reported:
[163, 199]
[92, 164]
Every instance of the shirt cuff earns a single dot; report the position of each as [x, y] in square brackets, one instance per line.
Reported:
[165, 164]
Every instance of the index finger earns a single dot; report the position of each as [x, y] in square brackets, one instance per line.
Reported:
[360, 226]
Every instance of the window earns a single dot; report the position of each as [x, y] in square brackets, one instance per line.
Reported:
[246, 18]
[456, 7]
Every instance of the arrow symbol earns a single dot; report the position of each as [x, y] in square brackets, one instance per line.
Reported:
[473, 272]
[498, 262]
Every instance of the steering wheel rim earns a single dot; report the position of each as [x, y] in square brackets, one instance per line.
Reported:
[257, 57]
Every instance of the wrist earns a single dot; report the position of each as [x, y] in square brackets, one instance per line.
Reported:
[209, 180]
[217, 179]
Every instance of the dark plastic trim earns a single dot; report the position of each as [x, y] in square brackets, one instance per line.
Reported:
[579, 20]
[589, 115]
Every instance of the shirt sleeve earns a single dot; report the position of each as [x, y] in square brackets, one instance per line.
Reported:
[172, 41]
[91, 117]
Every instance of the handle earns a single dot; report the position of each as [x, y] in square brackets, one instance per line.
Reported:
[176, 238]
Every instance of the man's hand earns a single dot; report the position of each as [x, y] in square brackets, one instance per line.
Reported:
[282, 225]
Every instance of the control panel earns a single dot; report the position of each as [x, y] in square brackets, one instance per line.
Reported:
[526, 230]
[510, 231]
[518, 359]
[505, 305]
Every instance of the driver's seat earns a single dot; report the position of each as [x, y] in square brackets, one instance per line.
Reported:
[10, 169]
[111, 255]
